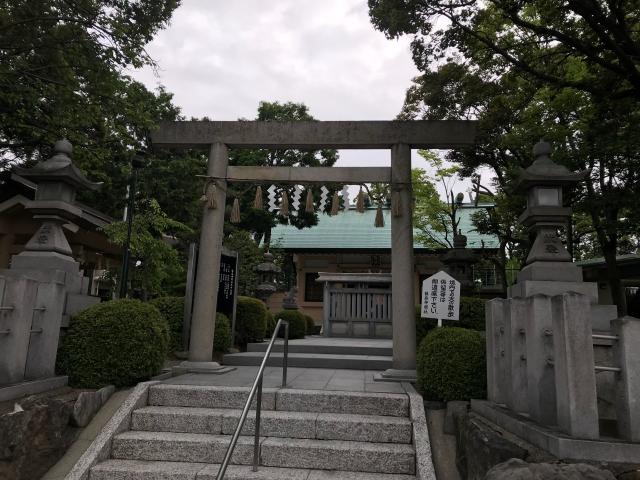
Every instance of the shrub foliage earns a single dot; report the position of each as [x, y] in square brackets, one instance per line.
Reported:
[172, 309]
[297, 323]
[311, 325]
[120, 342]
[251, 320]
[222, 336]
[271, 325]
[452, 365]
[471, 317]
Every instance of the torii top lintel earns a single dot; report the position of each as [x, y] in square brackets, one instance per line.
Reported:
[442, 134]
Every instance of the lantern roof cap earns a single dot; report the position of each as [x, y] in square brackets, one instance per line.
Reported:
[544, 171]
[59, 168]
[267, 265]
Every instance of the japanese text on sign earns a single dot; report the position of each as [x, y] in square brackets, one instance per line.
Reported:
[440, 297]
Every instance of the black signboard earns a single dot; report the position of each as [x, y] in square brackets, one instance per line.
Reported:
[227, 284]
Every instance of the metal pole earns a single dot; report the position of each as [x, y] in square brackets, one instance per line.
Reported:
[285, 355]
[125, 256]
[256, 441]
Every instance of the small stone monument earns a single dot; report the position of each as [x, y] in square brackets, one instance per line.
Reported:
[44, 285]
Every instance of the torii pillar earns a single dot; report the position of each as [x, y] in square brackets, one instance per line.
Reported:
[403, 322]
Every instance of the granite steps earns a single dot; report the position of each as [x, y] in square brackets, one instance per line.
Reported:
[312, 360]
[305, 434]
[319, 352]
[143, 470]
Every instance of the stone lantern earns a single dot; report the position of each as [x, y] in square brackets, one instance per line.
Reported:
[267, 277]
[44, 286]
[58, 180]
[543, 183]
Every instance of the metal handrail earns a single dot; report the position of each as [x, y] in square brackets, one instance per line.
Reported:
[257, 388]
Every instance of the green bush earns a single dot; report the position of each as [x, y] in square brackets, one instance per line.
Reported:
[222, 335]
[452, 365]
[172, 309]
[297, 323]
[471, 317]
[271, 325]
[120, 342]
[251, 320]
[311, 325]
[472, 313]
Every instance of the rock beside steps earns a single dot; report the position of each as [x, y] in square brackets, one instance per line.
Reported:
[184, 431]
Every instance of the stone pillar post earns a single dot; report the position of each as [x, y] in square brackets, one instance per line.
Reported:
[575, 377]
[516, 355]
[496, 369]
[402, 278]
[627, 355]
[540, 374]
[17, 299]
[208, 272]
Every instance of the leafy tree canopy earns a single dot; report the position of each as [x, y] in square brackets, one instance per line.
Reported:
[591, 46]
[159, 268]
[62, 66]
[531, 70]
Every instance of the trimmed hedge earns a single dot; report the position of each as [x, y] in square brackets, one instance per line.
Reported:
[452, 365]
[222, 340]
[471, 317]
[172, 309]
[121, 342]
[297, 323]
[271, 325]
[311, 325]
[251, 320]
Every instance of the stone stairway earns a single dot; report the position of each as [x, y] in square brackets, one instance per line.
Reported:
[319, 352]
[184, 431]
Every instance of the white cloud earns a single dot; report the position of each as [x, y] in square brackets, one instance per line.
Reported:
[221, 58]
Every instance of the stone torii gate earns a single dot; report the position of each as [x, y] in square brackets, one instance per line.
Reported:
[398, 136]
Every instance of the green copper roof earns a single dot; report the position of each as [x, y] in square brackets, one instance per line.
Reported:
[350, 230]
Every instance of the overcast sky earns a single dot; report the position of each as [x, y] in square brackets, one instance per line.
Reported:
[220, 58]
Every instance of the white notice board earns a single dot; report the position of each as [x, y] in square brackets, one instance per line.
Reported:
[440, 297]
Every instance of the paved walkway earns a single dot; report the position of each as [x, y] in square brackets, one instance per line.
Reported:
[298, 378]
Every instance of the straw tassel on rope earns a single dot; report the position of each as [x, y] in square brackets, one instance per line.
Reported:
[309, 207]
[209, 195]
[379, 217]
[396, 204]
[335, 204]
[360, 201]
[257, 202]
[235, 211]
[284, 205]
